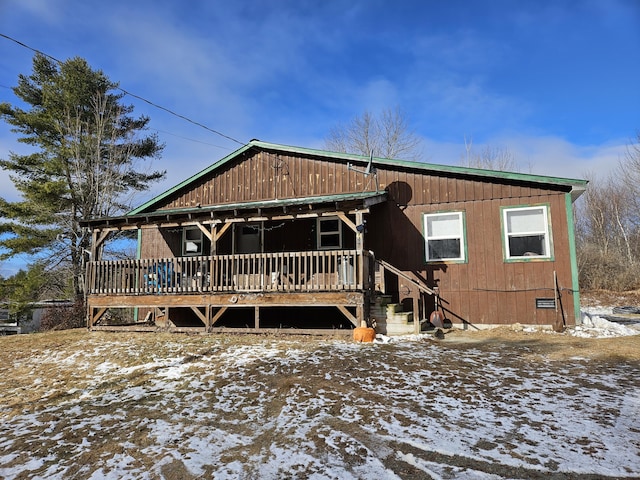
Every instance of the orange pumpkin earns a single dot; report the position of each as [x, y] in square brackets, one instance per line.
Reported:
[364, 334]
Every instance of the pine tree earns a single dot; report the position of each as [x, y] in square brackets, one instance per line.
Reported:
[86, 146]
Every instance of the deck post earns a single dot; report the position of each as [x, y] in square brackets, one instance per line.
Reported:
[207, 313]
[213, 250]
[257, 318]
[360, 231]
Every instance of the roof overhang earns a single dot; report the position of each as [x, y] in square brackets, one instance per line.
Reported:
[577, 190]
[246, 211]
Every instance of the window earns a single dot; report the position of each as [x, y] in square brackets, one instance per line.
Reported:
[444, 235]
[191, 241]
[329, 233]
[526, 232]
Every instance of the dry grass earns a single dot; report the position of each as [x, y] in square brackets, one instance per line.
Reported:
[608, 297]
[326, 401]
[552, 345]
[56, 356]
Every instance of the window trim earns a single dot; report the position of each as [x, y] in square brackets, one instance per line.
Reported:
[548, 233]
[320, 233]
[462, 219]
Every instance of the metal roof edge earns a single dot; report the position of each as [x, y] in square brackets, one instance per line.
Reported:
[312, 199]
[315, 199]
[429, 166]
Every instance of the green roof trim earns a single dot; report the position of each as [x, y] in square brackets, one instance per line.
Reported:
[368, 198]
[278, 203]
[577, 186]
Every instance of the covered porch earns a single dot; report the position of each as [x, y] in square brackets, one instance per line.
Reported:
[246, 267]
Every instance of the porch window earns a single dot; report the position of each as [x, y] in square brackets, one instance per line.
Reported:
[526, 232]
[444, 235]
[329, 233]
[192, 242]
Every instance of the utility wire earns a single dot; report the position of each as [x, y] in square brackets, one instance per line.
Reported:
[160, 107]
[281, 163]
[189, 139]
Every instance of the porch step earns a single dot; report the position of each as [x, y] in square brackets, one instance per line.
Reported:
[389, 318]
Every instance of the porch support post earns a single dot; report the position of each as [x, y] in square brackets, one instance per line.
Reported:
[204, 230]
[359, 232]
[349, 315]
[94, 244]
[216, 234]
[217, 316]
[214, 240]
[354, 226]
[257, 318]
[97, 239]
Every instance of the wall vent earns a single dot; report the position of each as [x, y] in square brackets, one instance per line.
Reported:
[546, 303]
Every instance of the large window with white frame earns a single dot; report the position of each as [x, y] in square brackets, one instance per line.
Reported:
[527, 232]
[445, 236]
[329, 233]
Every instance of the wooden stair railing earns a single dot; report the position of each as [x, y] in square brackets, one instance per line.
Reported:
[418, 284]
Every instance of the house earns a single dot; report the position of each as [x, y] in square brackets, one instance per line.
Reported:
[280, 237]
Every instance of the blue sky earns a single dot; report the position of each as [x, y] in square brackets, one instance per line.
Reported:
[555, 82]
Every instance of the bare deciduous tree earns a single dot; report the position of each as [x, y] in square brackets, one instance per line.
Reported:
[490, 157]
[387, 136]
[608, 227]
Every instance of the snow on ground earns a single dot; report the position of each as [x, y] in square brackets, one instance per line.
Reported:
[328, 409]
[594, 324]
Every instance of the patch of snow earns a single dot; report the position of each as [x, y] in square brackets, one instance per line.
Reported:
[594, 326]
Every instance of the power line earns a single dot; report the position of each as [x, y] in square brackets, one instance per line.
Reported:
[160, 107]
[190, 139]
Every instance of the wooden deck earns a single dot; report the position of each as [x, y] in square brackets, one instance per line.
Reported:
[209, 286]
[331, 270]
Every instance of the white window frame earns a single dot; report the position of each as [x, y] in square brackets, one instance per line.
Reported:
[323, 234]
[461, 234]
[546, 232]
[198, 241]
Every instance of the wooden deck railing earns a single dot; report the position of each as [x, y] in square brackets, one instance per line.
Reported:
[332, 270]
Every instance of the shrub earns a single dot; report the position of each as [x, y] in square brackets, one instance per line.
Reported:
[62, 318]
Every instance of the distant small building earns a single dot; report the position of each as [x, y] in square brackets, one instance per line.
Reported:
[40, 310]
[8, 323]
[274, 237]
[29, 323]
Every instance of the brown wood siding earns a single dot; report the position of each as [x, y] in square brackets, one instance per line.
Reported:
[264, 176]
[486, 289]
[160, 244]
